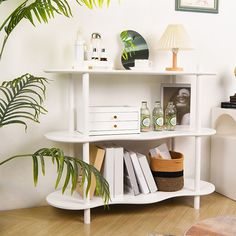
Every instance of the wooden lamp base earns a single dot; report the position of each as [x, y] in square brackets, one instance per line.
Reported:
[174, 69]
[174, 62]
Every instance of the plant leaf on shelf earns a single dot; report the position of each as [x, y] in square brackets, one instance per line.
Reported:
[22, 100]
[35, 169]
[72, 173]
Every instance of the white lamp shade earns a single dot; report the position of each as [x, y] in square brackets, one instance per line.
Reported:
[174, 37]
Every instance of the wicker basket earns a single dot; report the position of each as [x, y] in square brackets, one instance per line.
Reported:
[168, 174]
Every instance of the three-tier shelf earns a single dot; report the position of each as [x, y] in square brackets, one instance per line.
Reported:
[192, 187]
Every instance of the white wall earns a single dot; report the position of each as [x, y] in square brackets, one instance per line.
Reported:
[51, 45]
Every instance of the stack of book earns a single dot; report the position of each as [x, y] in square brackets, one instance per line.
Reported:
[125, 171]
[230, 104]
[138, 176]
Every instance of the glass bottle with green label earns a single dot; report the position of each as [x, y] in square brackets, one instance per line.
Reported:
[145, 118]
[170, 116]
[157, 117]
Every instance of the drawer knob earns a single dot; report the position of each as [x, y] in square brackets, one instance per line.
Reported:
[115, 126]
[115, 117]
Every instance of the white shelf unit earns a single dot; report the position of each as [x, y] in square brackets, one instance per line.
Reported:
[192, 187]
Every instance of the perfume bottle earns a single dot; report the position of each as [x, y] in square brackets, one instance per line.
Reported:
[95, 42]
[79, 51]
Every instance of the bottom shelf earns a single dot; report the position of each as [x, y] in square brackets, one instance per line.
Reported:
[75, 202]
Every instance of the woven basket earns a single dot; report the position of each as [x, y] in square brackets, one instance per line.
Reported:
[168, 174]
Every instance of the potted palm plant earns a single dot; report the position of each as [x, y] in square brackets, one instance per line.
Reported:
[21, 99]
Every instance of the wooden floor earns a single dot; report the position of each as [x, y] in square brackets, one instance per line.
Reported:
[172, 217]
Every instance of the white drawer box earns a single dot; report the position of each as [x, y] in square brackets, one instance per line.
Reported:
[114, 120]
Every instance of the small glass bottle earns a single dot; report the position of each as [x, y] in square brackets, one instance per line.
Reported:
[145, 117]
[157, 117]
[95, 42]
[170, 116]
[103, 55]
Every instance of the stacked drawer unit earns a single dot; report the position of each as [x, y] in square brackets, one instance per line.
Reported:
[107, 120]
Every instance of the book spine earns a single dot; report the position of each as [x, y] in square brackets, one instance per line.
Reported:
[131, 174]
[228, 105]
[118, 172]
[139, 173]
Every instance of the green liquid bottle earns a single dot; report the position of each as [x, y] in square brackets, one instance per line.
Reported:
[157, 117]
[145, 118]
[170, 116]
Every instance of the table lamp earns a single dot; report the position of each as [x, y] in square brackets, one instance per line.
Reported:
[174, 38]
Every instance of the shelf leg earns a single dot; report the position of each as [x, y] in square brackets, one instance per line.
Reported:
[197, 171]
[85, 85]
[71, 105]
[86, 199]
[87, 217]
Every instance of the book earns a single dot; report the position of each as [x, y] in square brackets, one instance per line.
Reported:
[139, 173]
[96, 158]
[228, 105]
[109, 167]
[161, 152]
[129, 175]
[147, 172]
[118, 153]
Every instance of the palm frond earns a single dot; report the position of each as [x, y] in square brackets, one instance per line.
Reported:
[93, 3]
[22, 100]
[42, 10]
[1, 1]
[72, 171]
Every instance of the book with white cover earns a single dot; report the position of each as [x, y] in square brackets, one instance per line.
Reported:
[147, 172]
[108, 167]
[130, 173]
[161, 151]
[118, 171]
[139, 173]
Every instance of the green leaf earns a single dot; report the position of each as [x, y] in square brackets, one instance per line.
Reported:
[61, 159]
[35, 169]
[68, 173]
[74, 178]
[22, 99]
[42, 164]
[43, 10]
[102, 187]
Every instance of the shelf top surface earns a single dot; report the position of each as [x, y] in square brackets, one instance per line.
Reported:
[127, 72]
[76, 137]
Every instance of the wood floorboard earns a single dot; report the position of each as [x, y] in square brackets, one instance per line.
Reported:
[172, 217]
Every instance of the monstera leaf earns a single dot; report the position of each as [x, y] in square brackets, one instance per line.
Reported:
[72, 166]
[22, 99]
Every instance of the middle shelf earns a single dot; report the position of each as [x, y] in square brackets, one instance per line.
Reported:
[76, 137]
